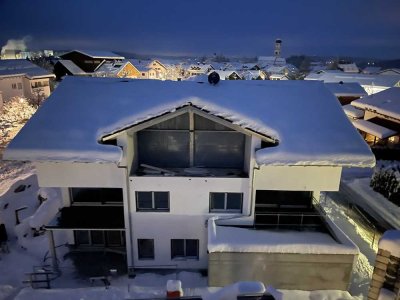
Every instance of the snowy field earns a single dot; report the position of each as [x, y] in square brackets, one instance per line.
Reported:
[27, 251]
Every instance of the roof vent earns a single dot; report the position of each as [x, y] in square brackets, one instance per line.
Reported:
[213, 78]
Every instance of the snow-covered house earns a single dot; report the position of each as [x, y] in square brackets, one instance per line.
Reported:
[271, 61]
[190, 175]
[21, 78]
[254, 75]
[371, 83]
[121, 69]
[199, 69]
[228, 74]
[274, 76]
[372, 70]
[381, 117]
[348, 67]
[83, 61]
[393, 71]
[346, 92]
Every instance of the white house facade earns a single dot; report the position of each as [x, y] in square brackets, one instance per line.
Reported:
[165, 177]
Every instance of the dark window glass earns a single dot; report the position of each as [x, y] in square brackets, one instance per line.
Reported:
[114, 238]
[177, 248]
[99, 195]
[146, 248]
[217, 201]
[178, 123]
[201, 123]
[234, 201]
[161, 200]
[97, 237]
[82, 237]
[192, 248]
[144, 200]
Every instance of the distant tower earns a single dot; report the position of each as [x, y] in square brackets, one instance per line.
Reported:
[278, 45]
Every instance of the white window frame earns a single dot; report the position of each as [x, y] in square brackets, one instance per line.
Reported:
[225, 209]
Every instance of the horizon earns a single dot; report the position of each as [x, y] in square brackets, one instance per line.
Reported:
[339, 28]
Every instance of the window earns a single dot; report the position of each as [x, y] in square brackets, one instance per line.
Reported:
[14, 86]
[146, 248]
[96, 195]
[20, 86]
[152, 201]
[187, 249]
[226, 202]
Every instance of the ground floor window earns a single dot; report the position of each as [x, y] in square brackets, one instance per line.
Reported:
[104, 238]
[226, 202]
[188, 249]
[146, 248]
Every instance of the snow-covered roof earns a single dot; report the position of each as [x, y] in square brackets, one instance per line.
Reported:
[353, 89]
[362, 79]
[393, 71]
[244, 240]
[251, 74]
[349, 68]
[374, 129]
[72, 67]
[271, 60]
[386, 102]
[371, 70]
[276, 69]
[98, 54]
[82, 110]
[22, 67]
[111, 68]
[224, 74]
[353, 112]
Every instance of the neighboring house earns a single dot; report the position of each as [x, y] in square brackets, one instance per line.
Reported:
[346, 92]
[21, 78]
[183, 175]
[228, 75]
[270, 61]
[371, 70]
[67, 67]
[253, 75]
[277, 70]
[371, 83]
[278, 77]
[88, 61]
[121, 69]
[381, 118]
[348, 68]
[390, 72]
[194, 70]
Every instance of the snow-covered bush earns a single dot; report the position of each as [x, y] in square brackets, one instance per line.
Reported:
[386, 181]
[15, 113]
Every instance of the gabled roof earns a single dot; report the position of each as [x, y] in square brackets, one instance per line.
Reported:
[224, 74]
[22, 67]
[98, 54]
[82, 110]
[386, 103]
[71, 67]
[112, 68]
[350, 89]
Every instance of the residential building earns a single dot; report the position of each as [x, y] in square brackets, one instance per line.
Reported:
[199, 69]
[21, 78]
[228, 75]
[380, 121]
[188, 175]
[87, 61]
[121, 69]
[348, 67]
[278, 76]
[371, 83]
[346, 92]
[393, 71]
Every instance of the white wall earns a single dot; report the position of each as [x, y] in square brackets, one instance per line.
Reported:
[189, 210]
[297, 178]
[80, 175]
[8, 91]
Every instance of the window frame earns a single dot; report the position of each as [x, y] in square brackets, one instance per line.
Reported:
[153, 202]
[138, 247]
[185, 257]
[225, 209]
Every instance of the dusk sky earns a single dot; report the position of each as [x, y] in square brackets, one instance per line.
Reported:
[363, 28]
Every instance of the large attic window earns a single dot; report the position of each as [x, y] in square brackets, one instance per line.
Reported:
[191, 140]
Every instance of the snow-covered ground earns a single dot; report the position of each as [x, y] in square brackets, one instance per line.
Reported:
[27, 251]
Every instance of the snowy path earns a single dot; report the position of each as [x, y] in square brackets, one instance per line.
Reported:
[360, 235]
